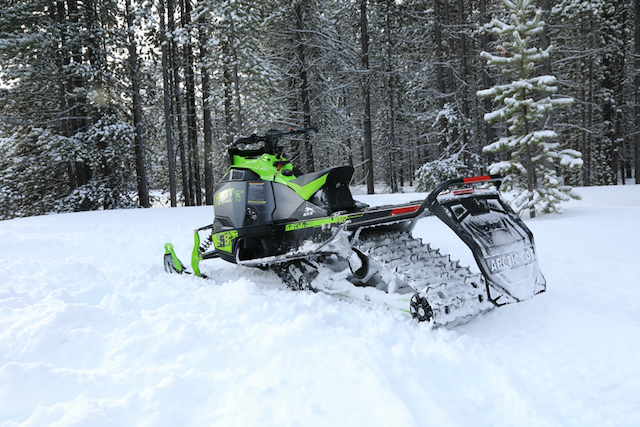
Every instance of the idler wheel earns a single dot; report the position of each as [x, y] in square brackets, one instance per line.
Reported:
[303, 284]
[420, 308]
[361, 267]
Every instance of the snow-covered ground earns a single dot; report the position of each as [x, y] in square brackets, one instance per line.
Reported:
[94, 333]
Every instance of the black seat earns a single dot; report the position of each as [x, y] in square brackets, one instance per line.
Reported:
[334, 195]
[335, 174]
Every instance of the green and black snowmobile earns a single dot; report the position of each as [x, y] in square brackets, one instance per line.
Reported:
[308, 229]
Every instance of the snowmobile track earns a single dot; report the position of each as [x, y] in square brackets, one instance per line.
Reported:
[454, 293]
[443, 291]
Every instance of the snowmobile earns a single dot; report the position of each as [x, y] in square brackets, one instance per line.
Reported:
[308, 229]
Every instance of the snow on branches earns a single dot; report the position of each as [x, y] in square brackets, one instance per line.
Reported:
[429, 175]
[524, 104]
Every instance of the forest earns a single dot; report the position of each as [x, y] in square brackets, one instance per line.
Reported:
[109, 104]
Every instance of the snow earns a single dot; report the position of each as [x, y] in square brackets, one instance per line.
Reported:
[93, 332]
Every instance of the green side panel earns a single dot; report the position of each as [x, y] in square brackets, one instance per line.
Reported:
[308, 190]
[224, 241]
[320, 222]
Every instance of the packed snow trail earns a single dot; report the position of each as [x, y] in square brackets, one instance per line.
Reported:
[94, 332]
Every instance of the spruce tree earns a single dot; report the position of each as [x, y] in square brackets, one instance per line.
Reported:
[532, 154]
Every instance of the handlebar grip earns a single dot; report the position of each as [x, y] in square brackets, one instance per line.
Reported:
[272, 136]
[248, 140]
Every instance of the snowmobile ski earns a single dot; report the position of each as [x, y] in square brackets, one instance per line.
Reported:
[308, 229]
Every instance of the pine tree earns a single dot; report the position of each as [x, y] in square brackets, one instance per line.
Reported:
[532, 154]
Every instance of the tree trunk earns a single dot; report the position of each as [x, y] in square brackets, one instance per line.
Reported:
[449, 48]
[486, 79]
[366, 95]
[393, 183]
[588, 162]
[529, 165]
[236, 78]
[228, 97]
[192, 130]
[636, 144]
[304, 87]
[206, 114]
[76, 103]
[545, 42]
[345, 104]
[463, 70]
[177, 106]
[585, 181]
[141, 170]
[166, 98]
[57, 14]
[615, 148]
[439, 58]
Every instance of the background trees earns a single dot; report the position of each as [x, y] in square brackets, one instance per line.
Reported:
[68, 140]
[90, 92]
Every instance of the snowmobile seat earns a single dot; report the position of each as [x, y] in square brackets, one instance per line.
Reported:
[334, 174]
[328, 188]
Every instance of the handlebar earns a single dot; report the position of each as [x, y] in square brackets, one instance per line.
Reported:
[271, 137]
